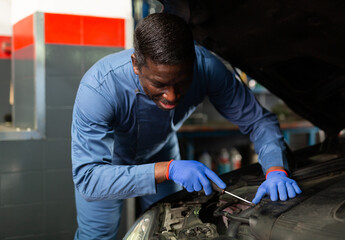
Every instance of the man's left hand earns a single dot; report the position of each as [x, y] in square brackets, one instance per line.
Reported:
[276, 183]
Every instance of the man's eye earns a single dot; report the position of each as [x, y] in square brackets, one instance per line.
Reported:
[158, 85]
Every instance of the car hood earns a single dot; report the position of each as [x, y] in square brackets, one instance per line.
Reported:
[295, 49]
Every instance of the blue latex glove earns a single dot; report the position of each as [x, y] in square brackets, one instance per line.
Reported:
[193, 176]
[277, 182]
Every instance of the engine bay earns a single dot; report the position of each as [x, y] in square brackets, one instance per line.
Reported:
[317, 213]
[221, 216]
[214, 217]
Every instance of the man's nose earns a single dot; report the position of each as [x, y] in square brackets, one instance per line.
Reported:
[171, 94]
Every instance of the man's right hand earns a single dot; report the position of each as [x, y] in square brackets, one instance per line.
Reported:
[193, 175]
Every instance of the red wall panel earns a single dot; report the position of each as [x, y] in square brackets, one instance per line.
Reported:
[84, 30]
[23, 33]
[104, 31]
[5, 41]
[62, 29]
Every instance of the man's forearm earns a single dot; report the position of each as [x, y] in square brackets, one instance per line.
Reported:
[274, 168]
[160, 171]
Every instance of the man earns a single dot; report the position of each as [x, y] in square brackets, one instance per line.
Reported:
[128, 108]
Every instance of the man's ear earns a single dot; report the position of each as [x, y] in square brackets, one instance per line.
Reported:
[135, 66]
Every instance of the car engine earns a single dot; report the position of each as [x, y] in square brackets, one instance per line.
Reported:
[317, 213]
[204, 217]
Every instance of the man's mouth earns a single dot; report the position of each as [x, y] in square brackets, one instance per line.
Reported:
[167, 106]
[162, 103]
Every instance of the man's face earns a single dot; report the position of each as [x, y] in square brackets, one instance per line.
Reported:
[164, 84]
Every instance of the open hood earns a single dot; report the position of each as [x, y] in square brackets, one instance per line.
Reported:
[294, 48]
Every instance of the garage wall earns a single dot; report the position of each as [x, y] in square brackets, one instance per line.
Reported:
[36, 189]
[5, 77]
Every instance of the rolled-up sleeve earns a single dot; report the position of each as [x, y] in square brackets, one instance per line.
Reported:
[237, 103]
[94, 175]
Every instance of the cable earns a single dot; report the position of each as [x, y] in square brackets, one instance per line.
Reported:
[219, 212]
[232, 217]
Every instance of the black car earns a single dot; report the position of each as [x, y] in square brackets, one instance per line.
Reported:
[296, 50]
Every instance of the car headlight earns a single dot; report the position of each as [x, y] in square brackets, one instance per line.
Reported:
[143, 227]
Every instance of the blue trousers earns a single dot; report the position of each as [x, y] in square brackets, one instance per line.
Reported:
[101, 219]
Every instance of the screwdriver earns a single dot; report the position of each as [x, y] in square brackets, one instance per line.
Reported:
[222, 191]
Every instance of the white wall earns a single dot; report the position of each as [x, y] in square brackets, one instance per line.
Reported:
[101, 8]
[5, 18]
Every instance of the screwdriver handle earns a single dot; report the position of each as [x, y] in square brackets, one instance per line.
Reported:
[222, 191]
[216, 188]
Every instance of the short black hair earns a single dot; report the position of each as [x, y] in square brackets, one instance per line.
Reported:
[165, 39]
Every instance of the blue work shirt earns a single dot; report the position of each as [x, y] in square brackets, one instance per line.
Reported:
[117, 130]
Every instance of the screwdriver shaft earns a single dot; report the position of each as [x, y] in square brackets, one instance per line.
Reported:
[239, 197]
[218, 189]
